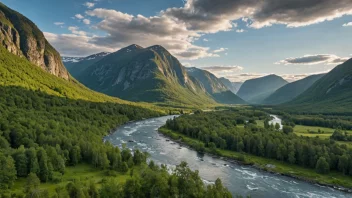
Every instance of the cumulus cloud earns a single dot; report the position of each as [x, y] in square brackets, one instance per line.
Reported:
[177, 28]
[329, 59]
[86, 21]
[347, 24]
[124, 29]
[79, 16]
[75, 30]
[68, 44]
[212, 16]
[89, 4]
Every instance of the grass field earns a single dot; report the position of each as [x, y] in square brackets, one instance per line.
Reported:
[333, 178]
[82, 172]
[304, 131]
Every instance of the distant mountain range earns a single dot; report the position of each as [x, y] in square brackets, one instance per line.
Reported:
[332, 93]
[232, 86]
[291, 90]
[76, 65]
[255, 91]
[214, 86]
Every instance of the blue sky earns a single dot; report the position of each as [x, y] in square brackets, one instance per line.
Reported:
[232, 38]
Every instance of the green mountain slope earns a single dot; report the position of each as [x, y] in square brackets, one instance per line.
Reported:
[214, 86]
[232, 86]
[256, 90]
[331, 94]
[145, 74]
[292, 90]
[22, 37]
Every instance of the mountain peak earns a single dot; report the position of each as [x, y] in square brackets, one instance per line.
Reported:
[159, 49]
[133, 47]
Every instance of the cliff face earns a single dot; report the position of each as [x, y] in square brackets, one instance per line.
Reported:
[22, 37]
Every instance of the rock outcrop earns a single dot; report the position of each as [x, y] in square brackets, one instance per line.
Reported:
[22, 37]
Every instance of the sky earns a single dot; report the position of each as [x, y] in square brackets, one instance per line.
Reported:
[236, 39]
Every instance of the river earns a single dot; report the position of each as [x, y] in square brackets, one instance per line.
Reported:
[243, 180]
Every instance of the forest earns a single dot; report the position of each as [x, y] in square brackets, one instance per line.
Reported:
[42, 134]
[225, 130]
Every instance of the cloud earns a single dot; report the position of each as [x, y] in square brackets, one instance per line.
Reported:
[177, 29]
[75, 30]
[241, 77]
[89, 4]
[213, 16]
[74, 45]
[223, 71]
[86, 21]
[223, 68]
[59, 23]
[124, 29]
[79, 16]
[220, 50]
[347, 24]
[329, 59]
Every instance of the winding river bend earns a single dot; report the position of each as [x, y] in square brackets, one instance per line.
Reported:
[243, 180]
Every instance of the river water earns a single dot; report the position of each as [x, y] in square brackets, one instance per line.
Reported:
[240, 180]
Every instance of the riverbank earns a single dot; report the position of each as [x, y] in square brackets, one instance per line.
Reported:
[334, 180]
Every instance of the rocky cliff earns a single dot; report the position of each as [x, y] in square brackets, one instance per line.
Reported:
[22, 37]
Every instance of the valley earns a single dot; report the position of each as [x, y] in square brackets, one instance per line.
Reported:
[85, 113]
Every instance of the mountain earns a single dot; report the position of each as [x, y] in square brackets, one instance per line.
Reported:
[291, 90]
[256, 90]
[76, 65]
[145, 74]
[214, 86]
[330, 94]
[232, 86]
[22, 37]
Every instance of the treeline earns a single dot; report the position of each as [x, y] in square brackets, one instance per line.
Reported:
[150, 181]
[328, 121]
[341, 136]
[219, 130]
[42, 134]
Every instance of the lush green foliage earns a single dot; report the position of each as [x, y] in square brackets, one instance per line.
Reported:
[48, 124]
[328, 121]
[219, 130]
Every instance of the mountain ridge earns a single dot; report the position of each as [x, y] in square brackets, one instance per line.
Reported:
[291, 90]
[144, 74]
[232, 86]
[256, 90]
[330, 94]
[214, 86]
